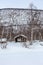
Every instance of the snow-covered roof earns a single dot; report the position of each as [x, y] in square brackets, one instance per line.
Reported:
[3, 39]
[20, 35]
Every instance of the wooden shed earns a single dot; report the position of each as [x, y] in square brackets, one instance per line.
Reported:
[20, 38]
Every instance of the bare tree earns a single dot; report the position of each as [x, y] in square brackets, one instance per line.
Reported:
[34, 20]
[11, 22]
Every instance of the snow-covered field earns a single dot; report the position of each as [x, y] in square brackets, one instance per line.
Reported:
[17, 54]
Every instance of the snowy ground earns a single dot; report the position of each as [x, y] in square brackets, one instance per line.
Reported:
[16, 54]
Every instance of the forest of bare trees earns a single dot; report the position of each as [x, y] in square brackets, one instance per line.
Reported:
[14, 21]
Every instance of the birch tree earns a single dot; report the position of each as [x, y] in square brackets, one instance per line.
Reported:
[34, 19]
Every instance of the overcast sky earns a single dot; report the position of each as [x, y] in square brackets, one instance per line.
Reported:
[20, 3]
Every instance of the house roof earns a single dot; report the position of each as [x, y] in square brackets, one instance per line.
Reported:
[20, 35]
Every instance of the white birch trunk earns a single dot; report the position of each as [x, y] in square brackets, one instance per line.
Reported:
[31, 36]
[2, 34]
[40, 37]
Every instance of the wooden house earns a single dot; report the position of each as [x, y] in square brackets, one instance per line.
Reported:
[20, 38]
